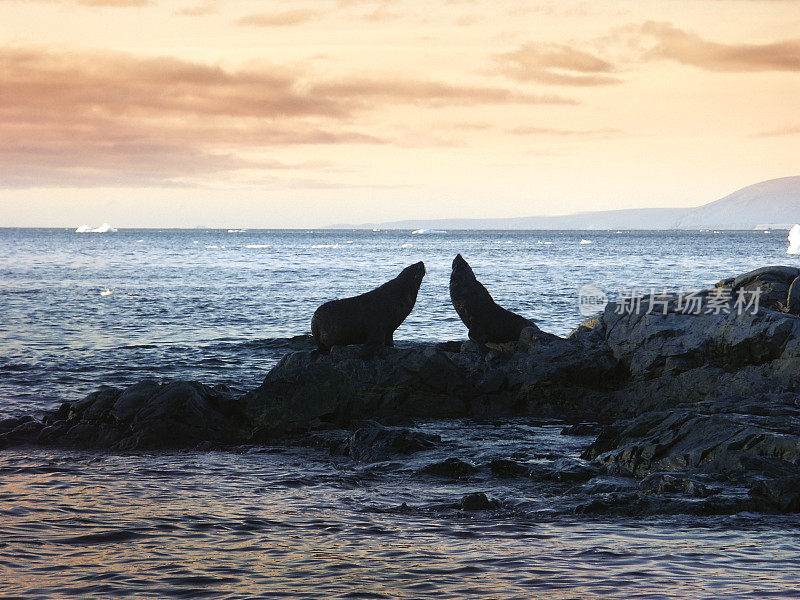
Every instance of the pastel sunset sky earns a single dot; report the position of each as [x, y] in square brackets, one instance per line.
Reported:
[177, 113]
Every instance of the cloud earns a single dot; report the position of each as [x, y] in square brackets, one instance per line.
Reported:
[200, 10]
[288, 17]
[73, 118]
[555, 64]
[672, 43]
[104, 3]
[399, 90]
[604, 132]
[779, 131]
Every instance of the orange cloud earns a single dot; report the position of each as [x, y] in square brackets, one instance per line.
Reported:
[110, 3]
[209, 8]
[288, 17]
[605, 132]
[85, 118]
[780, 131]
[555, 64]
[416, 91]
[690, 49]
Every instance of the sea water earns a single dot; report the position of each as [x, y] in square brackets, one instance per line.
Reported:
[78, 311]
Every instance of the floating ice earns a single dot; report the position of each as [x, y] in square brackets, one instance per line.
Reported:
[794, 240]
[427, 231]
[104, 228]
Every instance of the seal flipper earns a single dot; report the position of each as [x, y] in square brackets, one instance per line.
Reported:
[375, 341]
[479, 337]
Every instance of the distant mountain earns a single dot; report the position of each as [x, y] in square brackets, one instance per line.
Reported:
[774, 203]
[769, 204]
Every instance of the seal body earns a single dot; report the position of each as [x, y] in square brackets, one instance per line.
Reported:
[485, 319]
[371, 318]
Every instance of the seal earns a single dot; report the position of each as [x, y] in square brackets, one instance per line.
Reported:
[371, 318]
[485, 319]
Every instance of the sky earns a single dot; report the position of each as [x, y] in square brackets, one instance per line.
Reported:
[184, 113]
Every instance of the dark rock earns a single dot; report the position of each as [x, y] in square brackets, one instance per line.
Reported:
[13, 422]
[570, 469]
[583, 429]
[183, 414]
[24, 433]
[133, 399]
[673, 483]
[505, 468]
[452, 468]
[477, 501]
[781, 494]
[375, 443]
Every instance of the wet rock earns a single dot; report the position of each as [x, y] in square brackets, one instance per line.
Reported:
[375, 442]
[183, 414]
[11, 423]
[683, 441]
[146, 415]
[132, 399]
[452, 468]
[477, 501]
[583, 429]
[781, 494]
[673, 483]
[25, 432]
[505, 468]
[570, 469]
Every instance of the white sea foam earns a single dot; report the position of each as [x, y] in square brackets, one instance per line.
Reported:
[258, 246]
[212, 247]
[319, 246]
[139, 241]
[349, 242]
[106, 292]
[427, 231]
[236, 230]
[794, 240]
[407, 246]
[104, 228]
[586, 241]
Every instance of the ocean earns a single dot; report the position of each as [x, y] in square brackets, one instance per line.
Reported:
[78, 311]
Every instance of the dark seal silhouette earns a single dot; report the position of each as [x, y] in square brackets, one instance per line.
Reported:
[370, 318]
[486, 320]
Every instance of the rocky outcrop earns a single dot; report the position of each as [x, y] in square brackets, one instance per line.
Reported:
[541, 374]
[147, 415]
[686, 397]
